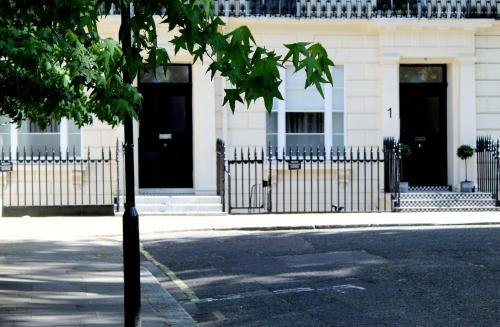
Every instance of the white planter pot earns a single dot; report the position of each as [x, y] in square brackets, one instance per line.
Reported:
[466, 187]
[403, 187]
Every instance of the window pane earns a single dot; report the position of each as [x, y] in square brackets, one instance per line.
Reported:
[272, 122]
[295, 79]
[338, 141]
[338, 99]
[271, 140]
[74, 138]
[298, 98]
[4, 132]
[306, 141]
[338, 76]
[275, 104]
[32, 136]
[302, 122]
[39, 142]
[174, 74]
[421, 74]
[4, 124]
[72, 128]
[74, 141]
[304, 100]
[32, 127]
[338, 122]
[271, 130]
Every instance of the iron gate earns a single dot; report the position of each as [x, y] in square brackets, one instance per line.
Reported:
[355, 179]
[488, 166]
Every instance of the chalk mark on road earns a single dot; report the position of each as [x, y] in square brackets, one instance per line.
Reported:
[342, 289]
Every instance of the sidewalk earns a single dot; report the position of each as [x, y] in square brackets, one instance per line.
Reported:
[70, 227]
[74, 282]
[67, 271]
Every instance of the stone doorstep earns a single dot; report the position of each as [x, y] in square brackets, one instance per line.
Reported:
[178, 204]
[178, 199]
[441, 203]
[430, 209]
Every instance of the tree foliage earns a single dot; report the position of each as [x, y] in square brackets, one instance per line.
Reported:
[465, 151]
[54, 64]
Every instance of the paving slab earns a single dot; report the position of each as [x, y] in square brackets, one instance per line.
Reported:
[77, 282]
[70, 227]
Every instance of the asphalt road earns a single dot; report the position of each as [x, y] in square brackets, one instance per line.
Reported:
[370, 277]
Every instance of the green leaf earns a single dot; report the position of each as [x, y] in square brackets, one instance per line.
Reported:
[232, 96]
[55, 63]
[242, 35]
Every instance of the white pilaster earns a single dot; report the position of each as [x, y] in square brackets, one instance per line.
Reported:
[467, 131]
[328, 120]
[225, 114]
[390, 96]
[13, 140]
[282, 114]
[63, 137]
[204, 135]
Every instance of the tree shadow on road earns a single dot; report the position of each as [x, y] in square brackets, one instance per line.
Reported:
[386, 276]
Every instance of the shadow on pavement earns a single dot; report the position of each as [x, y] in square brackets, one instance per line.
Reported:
[64, 283]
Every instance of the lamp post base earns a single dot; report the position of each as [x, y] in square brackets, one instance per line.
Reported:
[131, 267]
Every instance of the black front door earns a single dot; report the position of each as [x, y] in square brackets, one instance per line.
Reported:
[165, 135]
[423, 124]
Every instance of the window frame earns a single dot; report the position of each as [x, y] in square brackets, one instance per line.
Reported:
[280, 108]
[64, 135]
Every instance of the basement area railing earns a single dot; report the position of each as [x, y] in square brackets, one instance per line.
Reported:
[58, 182]
[488, 166]
[354, 179]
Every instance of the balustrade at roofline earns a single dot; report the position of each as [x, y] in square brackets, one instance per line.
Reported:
[355, 9]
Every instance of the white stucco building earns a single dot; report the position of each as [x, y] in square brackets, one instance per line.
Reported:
[429, 76]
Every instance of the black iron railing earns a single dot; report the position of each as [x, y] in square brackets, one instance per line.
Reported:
[352, 9]
[221, 172]
[354, 179]
[247, 182]
[392, 169]
[360, 9]
[488, 166]
[57, 179]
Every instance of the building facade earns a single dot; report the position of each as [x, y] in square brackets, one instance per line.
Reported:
[430, 78]
[424, 72]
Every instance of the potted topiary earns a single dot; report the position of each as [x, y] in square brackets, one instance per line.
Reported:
[464, 152]
[405, 153]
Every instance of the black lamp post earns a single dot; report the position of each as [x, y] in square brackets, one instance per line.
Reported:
[131, 256]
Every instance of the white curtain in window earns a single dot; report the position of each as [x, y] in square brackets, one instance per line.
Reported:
[308, 120]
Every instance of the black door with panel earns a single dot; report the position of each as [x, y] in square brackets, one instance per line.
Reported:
[423, 129]
[165, 135]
